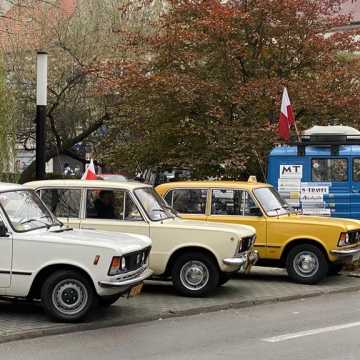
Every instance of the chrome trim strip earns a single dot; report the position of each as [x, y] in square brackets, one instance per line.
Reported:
[123, 283]
[346, 252]
[250, 257]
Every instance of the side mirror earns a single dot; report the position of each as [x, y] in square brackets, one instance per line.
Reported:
[3, 230]
[255, 211]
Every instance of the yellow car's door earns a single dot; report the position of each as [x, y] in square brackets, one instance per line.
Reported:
[237, 206]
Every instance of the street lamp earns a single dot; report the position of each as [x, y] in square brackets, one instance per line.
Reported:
[41, 103]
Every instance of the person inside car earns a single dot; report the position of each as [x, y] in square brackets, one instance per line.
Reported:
[104, 205]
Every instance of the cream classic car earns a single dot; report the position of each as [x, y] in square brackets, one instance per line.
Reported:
[68, 270]
[197, 256]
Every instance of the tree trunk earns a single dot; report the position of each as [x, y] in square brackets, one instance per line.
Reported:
[29, 173]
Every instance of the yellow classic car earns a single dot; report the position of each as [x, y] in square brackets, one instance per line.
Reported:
[309, 247]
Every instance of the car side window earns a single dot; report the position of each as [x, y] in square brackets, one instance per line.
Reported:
[111, 204]
[169, 198]
[356, 169]
[189, 201]
[232, 202]
[62, 202]
[329, 170]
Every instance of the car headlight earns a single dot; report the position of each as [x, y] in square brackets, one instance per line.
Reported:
[118, 265]
[344, 239]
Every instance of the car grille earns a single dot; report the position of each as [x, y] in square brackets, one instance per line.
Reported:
[137, 259]
[247, 243]
[354, 237]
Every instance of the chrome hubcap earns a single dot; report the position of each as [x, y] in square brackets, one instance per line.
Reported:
[306, 264]
[194, 275]
[70, 296]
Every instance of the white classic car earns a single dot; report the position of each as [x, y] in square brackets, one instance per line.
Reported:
[196, 255]
[68, 270]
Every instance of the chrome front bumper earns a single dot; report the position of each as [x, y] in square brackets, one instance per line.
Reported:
[244, 260]
[341, 253]
[127, 282]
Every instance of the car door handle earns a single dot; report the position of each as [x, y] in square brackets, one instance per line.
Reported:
[356, 190]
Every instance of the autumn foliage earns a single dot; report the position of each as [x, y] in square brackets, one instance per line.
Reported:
[204, 88]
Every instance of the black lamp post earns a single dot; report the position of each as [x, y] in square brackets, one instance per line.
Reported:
[41, 103]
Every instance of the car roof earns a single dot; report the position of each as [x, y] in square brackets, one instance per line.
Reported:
[10, 186]
[130, 185]
[212, 184]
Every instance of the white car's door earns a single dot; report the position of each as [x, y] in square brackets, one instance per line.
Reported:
[112, 210]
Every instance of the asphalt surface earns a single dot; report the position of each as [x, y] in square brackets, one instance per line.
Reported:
[325, 327]
[159, 300]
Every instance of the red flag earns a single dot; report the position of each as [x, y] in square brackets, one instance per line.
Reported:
[287, 117]
[90, 173]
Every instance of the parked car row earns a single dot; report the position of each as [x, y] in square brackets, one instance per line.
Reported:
[196, 234]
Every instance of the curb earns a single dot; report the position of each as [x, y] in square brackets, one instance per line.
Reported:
[66, 329]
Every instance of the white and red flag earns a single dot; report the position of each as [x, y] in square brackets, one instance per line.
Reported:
[287, 117]
[89, 173]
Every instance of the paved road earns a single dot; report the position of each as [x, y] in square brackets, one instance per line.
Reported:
[159, 300]
[325, 327]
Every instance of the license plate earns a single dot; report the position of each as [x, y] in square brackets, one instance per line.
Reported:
[356, 257]
[136, 290]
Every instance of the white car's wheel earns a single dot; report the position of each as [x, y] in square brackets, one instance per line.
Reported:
[67, 296]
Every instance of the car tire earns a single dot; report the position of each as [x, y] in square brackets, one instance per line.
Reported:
[306, 264]
[106, 301]
[334, 269]
[67, 296]
[195, 274]
[224, 278]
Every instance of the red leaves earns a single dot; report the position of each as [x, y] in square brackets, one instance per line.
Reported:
[209, 82]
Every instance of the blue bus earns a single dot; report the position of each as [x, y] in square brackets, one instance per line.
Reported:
[319, 175]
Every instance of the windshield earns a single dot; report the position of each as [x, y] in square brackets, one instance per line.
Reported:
[25, 211]
[155, 207]
[271, 201]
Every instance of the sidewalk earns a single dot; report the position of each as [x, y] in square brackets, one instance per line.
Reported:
[159, 301]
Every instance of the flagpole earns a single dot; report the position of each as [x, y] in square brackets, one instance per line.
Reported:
[297, 132]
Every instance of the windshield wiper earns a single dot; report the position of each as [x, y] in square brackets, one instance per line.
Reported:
[62, 230]
[172, 210]
[164, 211]
[48, 226]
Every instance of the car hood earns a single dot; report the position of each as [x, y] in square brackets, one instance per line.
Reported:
[238, 229]
[346, 224]
[123, 243]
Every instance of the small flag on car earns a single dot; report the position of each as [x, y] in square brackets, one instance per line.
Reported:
[90, 173]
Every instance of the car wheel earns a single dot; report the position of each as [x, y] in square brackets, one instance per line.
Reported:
[306, 264]
[106, 301]
[334, 269]
[224, 278]
[195, 274]
[67, 296]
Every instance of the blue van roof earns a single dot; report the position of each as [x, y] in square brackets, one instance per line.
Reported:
[344, 150]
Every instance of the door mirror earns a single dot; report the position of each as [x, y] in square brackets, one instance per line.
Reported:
[3, 230]
[255, 211]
